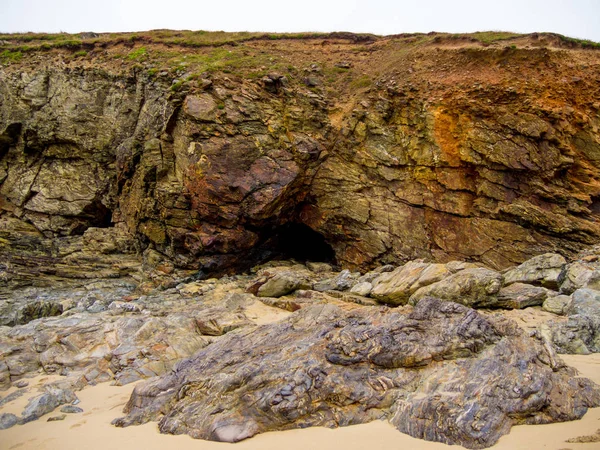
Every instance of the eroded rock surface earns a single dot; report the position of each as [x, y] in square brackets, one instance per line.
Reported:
[440, 372]
[446, 154]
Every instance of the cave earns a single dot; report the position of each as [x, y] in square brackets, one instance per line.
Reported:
[297, 241]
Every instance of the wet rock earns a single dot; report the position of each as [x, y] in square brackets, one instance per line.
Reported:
[396, 287]
[542, 270]
[8, 420]
[558, 304]
[477, 288]
[325, 365]
[519, 296]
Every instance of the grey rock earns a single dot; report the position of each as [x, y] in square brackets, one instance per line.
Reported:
[477, 288]
[580, 335]
[46, 402]
[558, 304]
[586, 302]
[8, 420]
[327, 366]
[543, 270]
[364, 288]
[580, 274]
[71, 409]
[342, 282]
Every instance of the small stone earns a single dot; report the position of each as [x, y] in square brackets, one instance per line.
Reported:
[57, 418]
[21, 384]
[8, 420]
[70, 409]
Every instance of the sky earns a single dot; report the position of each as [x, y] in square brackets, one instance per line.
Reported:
[575, 18]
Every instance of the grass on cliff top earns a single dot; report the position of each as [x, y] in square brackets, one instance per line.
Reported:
[44, 41]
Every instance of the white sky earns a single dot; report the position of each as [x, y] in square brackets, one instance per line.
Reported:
[576, 18]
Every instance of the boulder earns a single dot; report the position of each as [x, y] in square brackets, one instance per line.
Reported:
[580, 274]
[8, 420]
[477, 288]
[558, 304]
[542, 270]
[519, 296]
[441, 372]
[396, 287]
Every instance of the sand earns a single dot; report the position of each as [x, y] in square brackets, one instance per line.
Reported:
[91, 430]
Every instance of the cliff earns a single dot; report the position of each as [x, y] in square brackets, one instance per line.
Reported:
[213, 152]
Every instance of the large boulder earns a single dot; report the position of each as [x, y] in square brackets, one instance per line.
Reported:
[441, 372]
[520, 295]
[477, 288]
[543, 270]
[396, 287]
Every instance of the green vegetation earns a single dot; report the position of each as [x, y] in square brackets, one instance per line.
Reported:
[361, 82]
[8, 56]
[80, 54]
[584, 43]
[137, 54]
[488, 37]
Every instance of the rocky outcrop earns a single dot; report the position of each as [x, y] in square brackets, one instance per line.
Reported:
[436, 161]
[441, 372]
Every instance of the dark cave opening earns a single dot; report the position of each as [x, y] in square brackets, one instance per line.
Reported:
[296, 241]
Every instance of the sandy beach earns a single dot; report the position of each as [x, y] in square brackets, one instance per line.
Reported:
[102, 403]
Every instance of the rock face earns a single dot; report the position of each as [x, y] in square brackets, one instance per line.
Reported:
[438, 162]
[440, 372]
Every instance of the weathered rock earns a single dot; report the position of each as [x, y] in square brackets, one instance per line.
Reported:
[206, 176]
[71, 409]
[581, 333]
[283, 283]
[580, 274]
[477, 288]
[558, 304]
[344, 281]
[543, 270]
[57, 418]
[46, 402]
[311, 370]
[519, 296]
[586, 302]
[363, 288]
[397, 286]
[8, 420]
